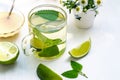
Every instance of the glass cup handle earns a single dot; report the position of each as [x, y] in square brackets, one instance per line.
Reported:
[26, 45]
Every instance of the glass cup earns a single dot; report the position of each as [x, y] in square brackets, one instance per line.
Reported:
[10, 25]
[47, 32]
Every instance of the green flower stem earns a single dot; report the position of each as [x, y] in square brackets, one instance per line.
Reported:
[83, 74]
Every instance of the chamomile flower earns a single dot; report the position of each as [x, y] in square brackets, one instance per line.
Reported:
[81, 5]
[83, 2]
[98, 2]
[77, 10]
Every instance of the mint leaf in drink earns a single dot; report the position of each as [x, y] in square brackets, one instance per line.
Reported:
[40, 36]
[49, 52]
[70, 74]
[47, 42]
[48, 14]
[51, 42]
[57, 41]
[49, 46]
[76, 66]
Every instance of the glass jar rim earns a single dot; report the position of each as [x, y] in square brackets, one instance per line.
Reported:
[46, 5]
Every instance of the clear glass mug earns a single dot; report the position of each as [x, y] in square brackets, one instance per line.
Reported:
[47, 32]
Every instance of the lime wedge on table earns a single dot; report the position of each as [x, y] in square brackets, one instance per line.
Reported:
[8, 52]
[45, 73]
[81, 50]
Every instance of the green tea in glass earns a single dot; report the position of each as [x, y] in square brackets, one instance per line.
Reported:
[47, 28]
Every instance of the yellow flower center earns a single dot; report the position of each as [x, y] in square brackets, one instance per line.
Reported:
[83, 1]
[77, 8]
[98, 2]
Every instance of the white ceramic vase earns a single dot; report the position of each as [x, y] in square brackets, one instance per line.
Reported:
[85, 19]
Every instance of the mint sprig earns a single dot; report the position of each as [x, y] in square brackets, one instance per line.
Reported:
[51, 48]
[76, 69]
[70, 74]
[76, 66]
[48, 14]
[47, 42]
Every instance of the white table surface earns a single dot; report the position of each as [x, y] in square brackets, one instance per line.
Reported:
[102, 62]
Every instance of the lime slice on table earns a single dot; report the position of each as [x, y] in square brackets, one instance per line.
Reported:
[45, 73]
[81, 50]
[8, 52]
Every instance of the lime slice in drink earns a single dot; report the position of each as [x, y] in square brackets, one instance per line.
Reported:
[81, 50]
[45, 73]
[36, 43]
[8, 52]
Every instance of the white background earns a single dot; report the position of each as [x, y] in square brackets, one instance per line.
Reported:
[102, 62]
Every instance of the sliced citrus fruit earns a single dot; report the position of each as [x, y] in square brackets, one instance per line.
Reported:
[8, 52]
[45, 73]
[81, 50]
[36, 43]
